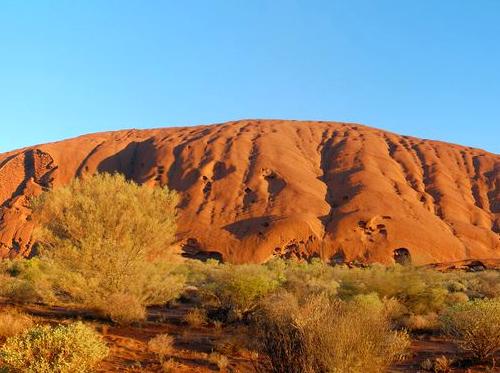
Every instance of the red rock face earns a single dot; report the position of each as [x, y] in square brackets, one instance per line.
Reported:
[252, 190]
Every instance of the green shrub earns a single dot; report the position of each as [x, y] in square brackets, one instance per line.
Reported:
[25, 280]
[483, 284]
[420, 290]
[236, 288]
[75, 348]
[475, 326]
[103, 235]
[322, 335]
[307, 279]
[410, 296]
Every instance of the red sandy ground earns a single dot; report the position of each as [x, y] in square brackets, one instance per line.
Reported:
[129, 352]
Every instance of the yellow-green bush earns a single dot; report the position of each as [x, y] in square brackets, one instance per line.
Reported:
[235, 288]
[25, 280]
[475, 326]
[420, 290]
[306, 279]
[411, 296]
[102, 236]
[75, 348]
[482, 284]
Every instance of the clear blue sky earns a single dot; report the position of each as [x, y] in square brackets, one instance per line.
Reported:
[428, 68]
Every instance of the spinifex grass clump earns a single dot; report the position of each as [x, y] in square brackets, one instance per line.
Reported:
[13, 322]
[323, 335]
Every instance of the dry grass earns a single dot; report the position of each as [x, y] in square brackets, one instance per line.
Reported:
[170, 366]
[13, 322]
[442, 364]
[326, 336]
[220, 360]
[196, 317]
[428, 323]
[162, 346]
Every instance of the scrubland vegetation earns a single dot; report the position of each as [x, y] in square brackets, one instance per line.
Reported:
[75, 348]
[103, 240]
[103, 248]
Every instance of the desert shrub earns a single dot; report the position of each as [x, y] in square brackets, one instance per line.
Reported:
[457, 297]
[196, 317]
[162, 346]
[420, 323]
[455, 286]
[475, 326]
[217, 324]
[307, 279]
[236, 288]
[102, 236]
[419, 290]
[427, 364]
[369, 302]
[410, 296]
[123, 309]
[75, 348]
[324, 335]
[25, 280]
[13, 322]
[482, 284]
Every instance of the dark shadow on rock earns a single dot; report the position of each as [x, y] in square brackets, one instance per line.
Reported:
[176, 178]
[476, 266]
[402, 256]
[220, 170]
[251, 226]
[131, 161]
[338, 184]
[192, 249]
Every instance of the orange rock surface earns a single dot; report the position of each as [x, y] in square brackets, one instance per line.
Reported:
[252, 189]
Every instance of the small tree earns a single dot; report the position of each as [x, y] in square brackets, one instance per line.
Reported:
[105, 236]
